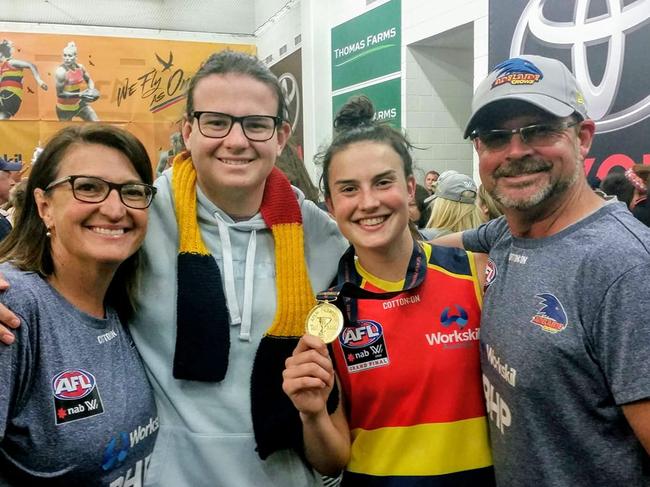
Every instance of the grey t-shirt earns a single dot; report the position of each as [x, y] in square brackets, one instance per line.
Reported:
[565, 341]
[75, 405]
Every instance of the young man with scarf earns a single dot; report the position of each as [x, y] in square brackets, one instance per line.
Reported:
[234, 256]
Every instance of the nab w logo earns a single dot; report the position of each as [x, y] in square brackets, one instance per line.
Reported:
[454, 314]
[116, 451]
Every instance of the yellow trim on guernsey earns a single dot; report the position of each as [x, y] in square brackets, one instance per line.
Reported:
[477, 283]
[433, 449]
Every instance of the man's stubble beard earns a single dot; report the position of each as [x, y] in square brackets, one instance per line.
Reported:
[544, 194]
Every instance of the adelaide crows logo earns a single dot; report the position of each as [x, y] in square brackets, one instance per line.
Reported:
[516, 71]
[551, 316]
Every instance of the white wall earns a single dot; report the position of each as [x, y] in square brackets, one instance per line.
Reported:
[209, 16]
[123, 32]
[438, 90]
[265, 9]
[280, 32]
[421, 19]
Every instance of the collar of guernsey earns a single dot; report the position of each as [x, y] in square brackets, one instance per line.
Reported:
[348, 288]
[203, 328]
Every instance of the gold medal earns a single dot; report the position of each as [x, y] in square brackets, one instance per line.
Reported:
[324, 321]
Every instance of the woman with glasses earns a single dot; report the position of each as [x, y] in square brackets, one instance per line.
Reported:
[76, 406]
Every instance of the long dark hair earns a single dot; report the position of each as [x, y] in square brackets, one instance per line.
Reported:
[27, 246]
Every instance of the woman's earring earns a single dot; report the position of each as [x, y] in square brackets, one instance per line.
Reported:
[48, 233]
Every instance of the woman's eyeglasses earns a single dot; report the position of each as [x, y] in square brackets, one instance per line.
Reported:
[90, 189]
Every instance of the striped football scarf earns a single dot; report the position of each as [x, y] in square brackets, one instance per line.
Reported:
[203, 328]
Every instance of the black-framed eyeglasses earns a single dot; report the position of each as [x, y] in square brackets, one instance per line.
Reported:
[91, 189]
[537, 135]
[217, 125]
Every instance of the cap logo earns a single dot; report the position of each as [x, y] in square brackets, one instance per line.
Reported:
[517, 71]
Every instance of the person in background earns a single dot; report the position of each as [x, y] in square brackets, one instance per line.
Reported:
[429, 179]
[294, 168]
[490, 209]
[9, 172]
[453, 208]
[73, 390]
[617, 184]
[563, 326]
[9, 176]
[639, 206]
[11, 80]
[70, 77]
[419, 210]
[166, 157]
[9, 210]
[412, 410]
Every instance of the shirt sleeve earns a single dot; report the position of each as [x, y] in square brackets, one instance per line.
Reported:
[482, 239]
[14, 373]
[622, 336]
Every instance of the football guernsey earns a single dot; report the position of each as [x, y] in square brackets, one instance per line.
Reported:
[11, 87]
[410, 374]
[74, 79]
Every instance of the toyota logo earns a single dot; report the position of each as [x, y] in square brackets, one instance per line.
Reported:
[582, 32]
[291, 91]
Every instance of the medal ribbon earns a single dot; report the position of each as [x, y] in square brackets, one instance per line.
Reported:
[348, 288]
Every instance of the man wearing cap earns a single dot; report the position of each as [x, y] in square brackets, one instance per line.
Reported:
[565, 341]
[9, 171]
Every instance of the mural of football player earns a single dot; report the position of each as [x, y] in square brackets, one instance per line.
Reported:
[11, 80]
[71, 100]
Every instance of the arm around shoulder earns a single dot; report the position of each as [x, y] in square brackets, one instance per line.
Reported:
[450, 240]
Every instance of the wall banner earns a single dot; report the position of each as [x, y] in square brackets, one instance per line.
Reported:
[605, 45]
[50, 80]
[289, 72]
[368, 46]
[385, 96]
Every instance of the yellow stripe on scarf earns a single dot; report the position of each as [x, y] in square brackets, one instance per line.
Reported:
[184, 186]
[295, 296]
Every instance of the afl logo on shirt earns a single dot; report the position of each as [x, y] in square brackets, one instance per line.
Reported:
[490, 273]
[364, 346]
[76, 396]
[365, 333]
[73, 384]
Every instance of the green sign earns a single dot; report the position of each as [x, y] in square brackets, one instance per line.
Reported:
[385, 96]
[368, 46]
